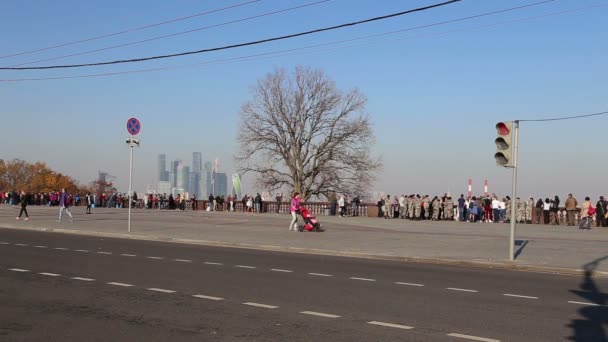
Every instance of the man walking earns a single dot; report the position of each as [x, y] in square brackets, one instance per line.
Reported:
[89, 200]
[600, 211]
[571, 204]
[461, 203]
[279, 199]
[23, 199]
[64, 204]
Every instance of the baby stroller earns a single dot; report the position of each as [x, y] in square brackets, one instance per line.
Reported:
[310, 222]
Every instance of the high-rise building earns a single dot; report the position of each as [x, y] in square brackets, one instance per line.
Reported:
[197, 162]
[182, 177]
[163, 175]
[208, 175]
[221, 184]
[173, 176]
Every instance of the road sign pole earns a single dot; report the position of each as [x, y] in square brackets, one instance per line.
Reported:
[130, 182]
[514, 191]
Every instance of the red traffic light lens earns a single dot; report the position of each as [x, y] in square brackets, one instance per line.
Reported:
[502, 129]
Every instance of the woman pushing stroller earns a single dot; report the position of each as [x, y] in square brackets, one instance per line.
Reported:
[295, 211]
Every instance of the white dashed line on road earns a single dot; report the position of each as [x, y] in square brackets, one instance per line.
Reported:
[107, 253]
[160, 290]
[390, 325]
[583, 303]
[519, 296]
[462, 290]
[364, 279]
[156, 258]
[4, 243]
[182, 260]
[320, 314]
[40, 247]
[61, 248]
[119, 284]
[321, 274]
[474, 338]
[409, 284]
[258, 305]
[50, 274]
[213, 263]
[129, 255]
[21, 244]
[244, 266]
[208, 297]
[82, 250]
[18, 270]
[280, 270]
[83, 279]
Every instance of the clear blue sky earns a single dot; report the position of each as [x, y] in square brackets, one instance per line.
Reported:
[434, 98]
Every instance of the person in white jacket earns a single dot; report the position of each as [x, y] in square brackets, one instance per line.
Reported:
[342, 205]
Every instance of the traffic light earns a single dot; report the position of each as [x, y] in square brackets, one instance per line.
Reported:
[503, 144]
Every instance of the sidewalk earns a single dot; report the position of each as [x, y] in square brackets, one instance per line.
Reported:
[557, 249]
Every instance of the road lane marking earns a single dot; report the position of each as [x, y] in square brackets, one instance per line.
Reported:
[364, 279]
[119, 284]
[321, 274]
[243, 266]
[208, 297]
[82, 250]
[104, 253]
[21, 244]
[462, 290]
[160, 290]
[18, 270]
[390, 325]
[129, 255]
[61, 248]
[583, 303]
[474, 338]
[258, 305]
[4, 243]
[83, 279]
[320, 314]
[153, 257]
[280, 270]
[50, 274]
[519, 296]
[182, 260]
[213, 263]
[408, 284]
[40, 247]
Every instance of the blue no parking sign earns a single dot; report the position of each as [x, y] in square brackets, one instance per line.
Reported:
[133, 126]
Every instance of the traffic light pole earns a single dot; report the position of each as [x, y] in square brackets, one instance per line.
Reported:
[514, 191]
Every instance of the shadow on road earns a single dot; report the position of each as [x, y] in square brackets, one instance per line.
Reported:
[522, 244]
[592, 324]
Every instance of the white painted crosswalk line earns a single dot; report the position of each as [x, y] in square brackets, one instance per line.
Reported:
[207, 297]
[320, 314]
[390, 325]
[473, 338]
[259, 305]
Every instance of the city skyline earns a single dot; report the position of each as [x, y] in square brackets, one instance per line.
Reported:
[182, 178]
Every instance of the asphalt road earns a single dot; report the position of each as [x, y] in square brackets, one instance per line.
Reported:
[59, 287]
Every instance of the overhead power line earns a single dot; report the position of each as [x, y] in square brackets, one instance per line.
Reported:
[565, 117]
[293, 51]
[130, 30]
[176, 34]
[226, 47]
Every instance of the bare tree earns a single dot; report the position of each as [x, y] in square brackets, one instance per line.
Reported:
[300, 132]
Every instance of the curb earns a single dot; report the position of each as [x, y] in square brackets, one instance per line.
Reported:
[505, 265]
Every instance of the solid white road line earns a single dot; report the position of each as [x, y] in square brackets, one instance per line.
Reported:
[390, 325]
[207, 297]
[243, 266]
[160, 290]
[364, 279]
[182, 260]
[265, 306]
[408, 284]
[153, 257]
[320, 314]
[129, 255]
[583, 303]
[61, 248]
[83, 279]
[474, 338]
[519, 296]
[280, 270]
[82, 250]
[321, 274]
[50, 274]
[463, 290]
[119, 284]
[104, 253]
[4, 243]
[18, 270]
[21, 244]
[213, 263]
[40, 247]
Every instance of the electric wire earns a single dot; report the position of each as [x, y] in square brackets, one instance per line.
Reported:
[130, 30]
[565, 117]
[226, 47]
[174, 34]
[290, 52]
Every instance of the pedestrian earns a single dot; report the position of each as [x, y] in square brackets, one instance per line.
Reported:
[333, 202]
[600, 210]
[503, 211]
[571, 204]
[461, 206]
[279, 199]
[529, 209]
[473, 209]
[555, 211]
[64, 205]
[89, 200]
[295, 211]
[546, 210]
[539, 210]
[23, 199]
[587, 212]
[495, 210]
[342, 205]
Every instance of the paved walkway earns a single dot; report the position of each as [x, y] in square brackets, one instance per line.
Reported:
[539, 247]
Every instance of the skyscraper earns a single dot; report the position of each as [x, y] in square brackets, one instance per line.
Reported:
[197, 162]
[163, 175]
[221, 184]
[182, 177]
[208, 183]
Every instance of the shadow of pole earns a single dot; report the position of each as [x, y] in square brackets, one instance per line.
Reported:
[522, 244]
[592, 324]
